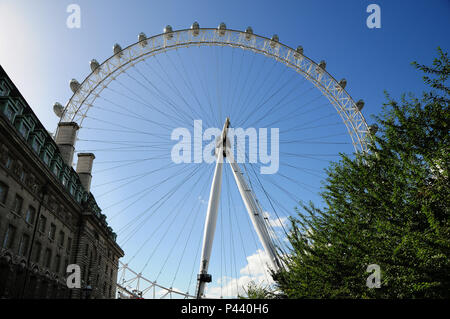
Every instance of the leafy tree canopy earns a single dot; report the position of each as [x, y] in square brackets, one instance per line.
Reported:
[388, 207]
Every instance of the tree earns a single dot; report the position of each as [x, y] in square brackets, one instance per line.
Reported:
[388, 207]
[255, 291]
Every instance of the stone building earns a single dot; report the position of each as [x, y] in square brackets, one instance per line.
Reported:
[48, 217]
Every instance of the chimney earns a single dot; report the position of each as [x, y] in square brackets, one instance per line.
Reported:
[65, 139]
[84, 169]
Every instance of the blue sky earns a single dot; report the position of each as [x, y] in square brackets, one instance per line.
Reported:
[41, 55]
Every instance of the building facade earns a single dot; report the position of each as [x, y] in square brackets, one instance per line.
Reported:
[48, 217]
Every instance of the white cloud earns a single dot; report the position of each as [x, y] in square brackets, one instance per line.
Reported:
[276, 222]
[277, 228]
[255, 270]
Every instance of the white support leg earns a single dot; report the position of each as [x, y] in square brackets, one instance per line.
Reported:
[211, 215]
[255, 213]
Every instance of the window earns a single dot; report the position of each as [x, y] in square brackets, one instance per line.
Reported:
[37, 252]
[42, 224]
[22, 176]
[8, 240]
[46, 158]
[78, 196]
[56, 170]
[65, 180]
[36, 146]
[59, 211]
[61, 239]
[3, 89]
[72, 189]
[90, 260]
[84, 273]
[23, 245]
[52, 232]
[47, 258]
[9, 112]
[3, 192]
[17, 207]
[69, 244]
[86, 249]
[57, 263]
[30, 214]
[24, 130]
[11, 109]
[66, 263]
[8, 162]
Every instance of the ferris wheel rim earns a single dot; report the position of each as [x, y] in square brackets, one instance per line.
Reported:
[124, 267]
[344, 104]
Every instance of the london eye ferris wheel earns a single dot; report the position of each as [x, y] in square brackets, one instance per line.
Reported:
[199, 211]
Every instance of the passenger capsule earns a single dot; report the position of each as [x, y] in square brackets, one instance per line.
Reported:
[274, 41]
[360, 105]
[298, 52]
[94, 65]
[322, 65]
[248, 33]
[343, 83]
[168, 32]
[195, 27]
[74, 85]
[58, 109]
[222, 28]
[142, 38]
[117, 49]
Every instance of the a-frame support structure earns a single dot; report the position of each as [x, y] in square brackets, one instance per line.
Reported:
[251, 204]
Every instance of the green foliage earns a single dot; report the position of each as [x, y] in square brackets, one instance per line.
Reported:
[258, 291]
[387, 207]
